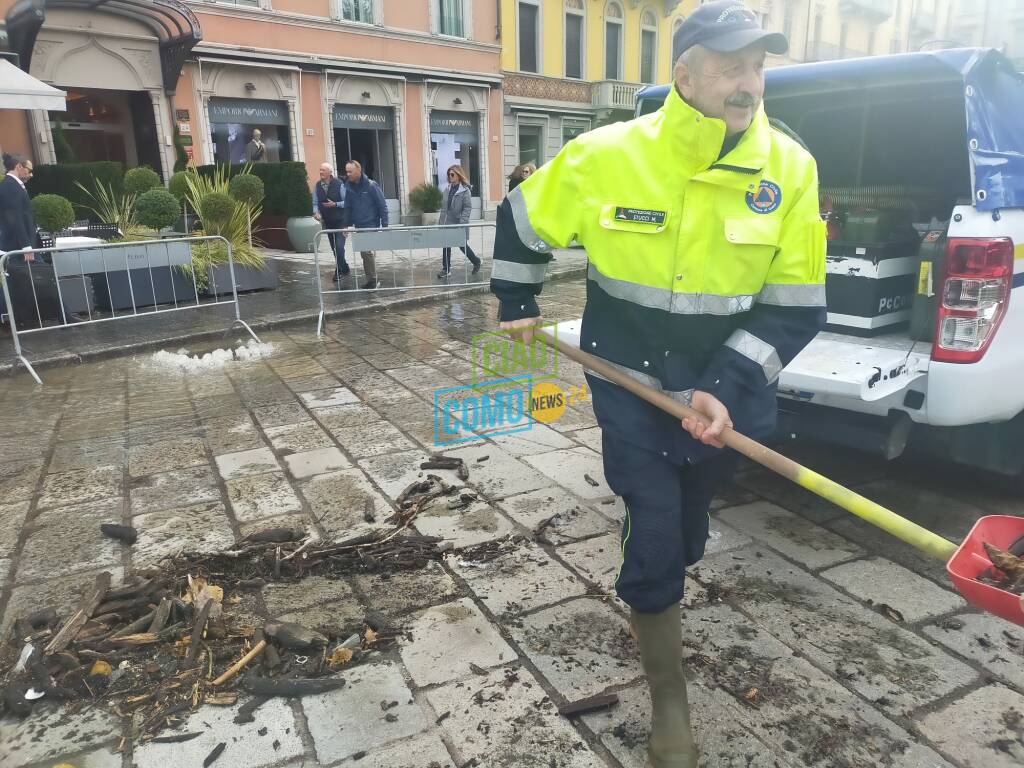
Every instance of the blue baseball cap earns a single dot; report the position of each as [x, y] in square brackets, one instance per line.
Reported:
[726, 26]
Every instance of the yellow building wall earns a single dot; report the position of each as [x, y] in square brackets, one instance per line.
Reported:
[553, 38]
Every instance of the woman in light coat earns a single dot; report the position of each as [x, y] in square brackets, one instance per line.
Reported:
[456, 205]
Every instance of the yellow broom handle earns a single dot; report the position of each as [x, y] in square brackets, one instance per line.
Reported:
[903, 529]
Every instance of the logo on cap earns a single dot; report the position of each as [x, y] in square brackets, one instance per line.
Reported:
[736, 13]
[767, 199]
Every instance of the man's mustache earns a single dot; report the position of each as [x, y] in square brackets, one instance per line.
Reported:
[742, 100]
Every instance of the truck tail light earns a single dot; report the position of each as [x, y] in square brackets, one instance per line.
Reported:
[975, 294]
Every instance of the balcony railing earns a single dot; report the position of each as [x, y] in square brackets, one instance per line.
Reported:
[615, 94]
[876, 10]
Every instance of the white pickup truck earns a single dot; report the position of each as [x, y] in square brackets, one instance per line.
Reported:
[921, 162]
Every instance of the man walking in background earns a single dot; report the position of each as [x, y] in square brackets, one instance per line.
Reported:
[329, 209]
[365, 208]
[17, 224]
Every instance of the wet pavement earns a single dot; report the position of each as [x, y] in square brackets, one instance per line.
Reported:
[811, 639]
[406, 277]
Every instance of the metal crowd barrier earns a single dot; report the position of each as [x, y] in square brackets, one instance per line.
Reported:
[97, 283]
[406, 257]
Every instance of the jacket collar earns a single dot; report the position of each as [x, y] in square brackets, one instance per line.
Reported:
[700, 138]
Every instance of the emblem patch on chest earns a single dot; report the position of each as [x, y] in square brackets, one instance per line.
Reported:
[640, 215]
[766, 199]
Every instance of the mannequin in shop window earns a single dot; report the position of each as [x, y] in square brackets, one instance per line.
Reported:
[256, 150]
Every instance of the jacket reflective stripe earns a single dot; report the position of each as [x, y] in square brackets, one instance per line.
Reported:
[527, 234]
[684, 396]
[515, 272]
[806, 295]
[760, 352]
[670, 301]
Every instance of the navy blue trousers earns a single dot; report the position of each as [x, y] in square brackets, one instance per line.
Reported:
[337, 241]
[666, 526]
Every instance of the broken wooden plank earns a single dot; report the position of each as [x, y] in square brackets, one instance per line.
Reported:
[589, 704]
[90, 601]
[197, 631]
[262, 686]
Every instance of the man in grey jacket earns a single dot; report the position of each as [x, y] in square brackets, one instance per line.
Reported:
[456, 206]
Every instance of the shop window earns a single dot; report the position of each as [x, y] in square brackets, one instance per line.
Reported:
[249, 130]
[367, 134]
[574, 48]
[450, 18]
[455, 139]
[571, 130]
[529, 36]
[531, 144]
[613, 41]
[648, 47]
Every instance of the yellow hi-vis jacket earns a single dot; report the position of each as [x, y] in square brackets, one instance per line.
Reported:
[705, 272]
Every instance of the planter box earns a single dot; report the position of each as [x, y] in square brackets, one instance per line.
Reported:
[272, 231]
[248, 279]
[162, 285]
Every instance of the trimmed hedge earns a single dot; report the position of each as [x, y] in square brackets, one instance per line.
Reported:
[286, 186]
[60, 180]
[52, 212]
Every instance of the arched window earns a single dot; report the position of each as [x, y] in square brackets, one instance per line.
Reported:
[575, 38]
[613, 19]
[648, 47]
[675, 52]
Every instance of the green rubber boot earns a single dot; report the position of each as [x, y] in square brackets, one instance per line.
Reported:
[660, 637]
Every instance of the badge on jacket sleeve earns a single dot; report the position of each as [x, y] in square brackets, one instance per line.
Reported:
[767, 199]
[639, 215]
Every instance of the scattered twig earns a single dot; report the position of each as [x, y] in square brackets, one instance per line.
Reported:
[238, 665]
[90, 601]
[590, 704]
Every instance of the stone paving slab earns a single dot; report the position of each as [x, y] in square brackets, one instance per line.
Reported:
[393, 594]
[992, 642]
[149, 458]
[880, 581]
[437, 630]
[87, 454]
[522, 580]
[564, 517]
[315, 462]
[13, 517]
[271, 738]
[338, 500]
[374, 709]
[179, 488]
[18, 480]
[723, 741]
[196, 528]
[254, 462]
[798, 710]
[502, 474]
[80, 485]
[478, 523]
[570, 468]
[505, 720]
[296, 438]
[424, 751]
[397, 471]
[371, 439]
[50, 734]
[68, 540]
[581, 647]
[257, 497]
[882, 661]
[989, 728]
[796, 538]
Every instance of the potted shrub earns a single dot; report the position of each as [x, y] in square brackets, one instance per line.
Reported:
[224, 216]
[301, 225]
[247, 190]
[178, 186]
[53, 213]
[157, 209]
[427, 199]
[141, 179]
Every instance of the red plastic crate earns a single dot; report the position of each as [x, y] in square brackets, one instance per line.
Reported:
[970, 561]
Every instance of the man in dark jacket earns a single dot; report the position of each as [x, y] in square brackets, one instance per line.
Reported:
[329, 209]
[17, 224]
[365, 208]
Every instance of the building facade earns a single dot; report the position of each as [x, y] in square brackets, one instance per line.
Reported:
[407, 87]
[836, 29]
[570, 65]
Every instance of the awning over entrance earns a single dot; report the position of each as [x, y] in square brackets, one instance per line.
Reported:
[172, 22]
[19, 90]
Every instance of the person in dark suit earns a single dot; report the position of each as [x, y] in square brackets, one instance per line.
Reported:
[329, 210]
[17, 224]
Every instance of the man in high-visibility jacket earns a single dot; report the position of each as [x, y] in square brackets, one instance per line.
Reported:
[706, 277]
